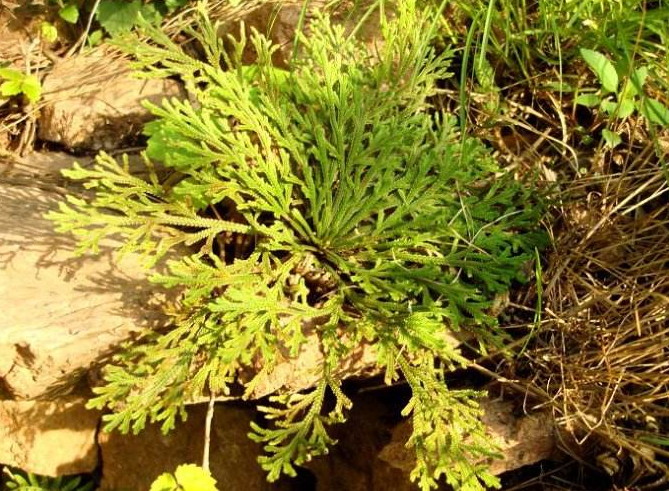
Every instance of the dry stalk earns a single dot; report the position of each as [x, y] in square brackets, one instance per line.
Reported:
[601, 360]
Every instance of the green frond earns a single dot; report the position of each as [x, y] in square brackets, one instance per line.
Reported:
[21, 481]
[141, 212]
[299, 433]
[448, 434]
[329, 201]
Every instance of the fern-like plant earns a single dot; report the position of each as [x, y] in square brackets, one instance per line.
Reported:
[332, 197]
[27, 481]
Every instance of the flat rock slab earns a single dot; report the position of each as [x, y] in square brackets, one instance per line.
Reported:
[60, 315]
[522, 440]
[371, 453]
[50, 438]
[94, 101]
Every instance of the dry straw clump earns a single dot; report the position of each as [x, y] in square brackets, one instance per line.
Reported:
[601, 358]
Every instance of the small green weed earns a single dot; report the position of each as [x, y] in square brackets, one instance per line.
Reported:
[187, 477]
[19, 83]
[26, 481]
[113, 16]
[620, 101]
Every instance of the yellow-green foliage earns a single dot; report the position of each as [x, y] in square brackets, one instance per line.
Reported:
[188, 477]
[362, 214]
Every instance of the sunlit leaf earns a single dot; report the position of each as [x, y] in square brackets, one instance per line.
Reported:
[588, 100]
[194, 478]
[10, 88]
[11, 74]
[612, 139]
[603, 68]
[69, 13]
[625, 109]
[32, 88]
[49, 32]
[165, 482]
[655, 112]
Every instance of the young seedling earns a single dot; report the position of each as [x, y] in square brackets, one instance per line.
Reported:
[20, 83]
[188, 477]
[620, 101]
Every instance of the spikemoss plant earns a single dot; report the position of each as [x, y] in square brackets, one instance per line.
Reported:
[330, 195]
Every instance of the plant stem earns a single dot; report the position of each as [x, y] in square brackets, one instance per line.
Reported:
[207, 431]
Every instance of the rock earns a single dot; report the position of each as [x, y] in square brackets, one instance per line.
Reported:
[40, 170]
[43, 165]
[353, 463]
[279, 20]
[133, 462]
[523, 440]
[371, 454]
[60, 315]
[94, 102]
[303, 372]
[49, 438]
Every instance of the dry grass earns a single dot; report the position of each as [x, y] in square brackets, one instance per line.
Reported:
[598, 355]
[601, 358]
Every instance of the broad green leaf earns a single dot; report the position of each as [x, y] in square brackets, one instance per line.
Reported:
[10, 88]
[165, 482]
[118, 16]
[20, 83]
[588, 100]
[32, 88]
[625, 109]
[194, 478]
[150, 13]
[640, 75]
[612, 139]
[69, 13]
[655, 112]
[11, 74]
[634, 85]
[160, 146]
[49, 32]
[191, 190]
[603, 68]
[95, 37]
[638, 80]
[609, 107]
